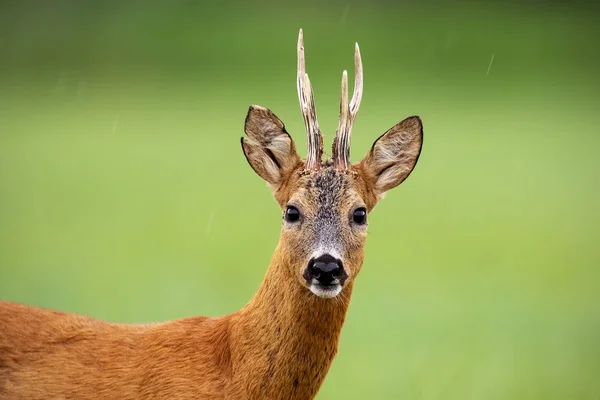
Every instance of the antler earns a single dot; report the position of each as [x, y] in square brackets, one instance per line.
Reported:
[341, 143]
[307, 106]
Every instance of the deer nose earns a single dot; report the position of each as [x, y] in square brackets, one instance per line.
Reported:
[325, 269]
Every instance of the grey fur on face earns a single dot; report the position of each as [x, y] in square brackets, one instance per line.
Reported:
[329, 189]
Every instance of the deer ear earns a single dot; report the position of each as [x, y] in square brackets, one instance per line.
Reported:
[393, 156]
[271, 152]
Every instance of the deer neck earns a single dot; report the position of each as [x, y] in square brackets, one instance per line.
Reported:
[285, 339]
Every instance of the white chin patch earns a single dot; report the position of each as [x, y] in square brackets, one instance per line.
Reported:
[325, 292]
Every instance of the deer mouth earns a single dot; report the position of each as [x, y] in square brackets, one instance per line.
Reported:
[325, 291]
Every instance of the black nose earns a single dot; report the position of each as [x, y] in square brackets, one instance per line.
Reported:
[325, 269]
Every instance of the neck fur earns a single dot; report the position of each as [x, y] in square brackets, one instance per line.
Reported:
[286, 337]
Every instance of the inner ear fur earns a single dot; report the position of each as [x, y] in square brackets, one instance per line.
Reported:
[269, 148]
[393, 156]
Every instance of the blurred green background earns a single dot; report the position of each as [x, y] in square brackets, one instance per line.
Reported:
[124, 193]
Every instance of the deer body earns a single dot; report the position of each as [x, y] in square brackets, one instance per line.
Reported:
[263, 351]
[282, 343]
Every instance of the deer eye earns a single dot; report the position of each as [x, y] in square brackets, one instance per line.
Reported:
[291, 214]
[360, 216]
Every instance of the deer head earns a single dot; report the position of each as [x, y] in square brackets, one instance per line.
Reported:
[325, 203]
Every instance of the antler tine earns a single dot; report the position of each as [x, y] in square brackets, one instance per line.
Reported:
[301, 61]
[348, 112]
[358, 82]
[309, 113]
[338, 151]
[344, 109]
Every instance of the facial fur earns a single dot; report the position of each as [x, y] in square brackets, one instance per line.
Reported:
[326, 200]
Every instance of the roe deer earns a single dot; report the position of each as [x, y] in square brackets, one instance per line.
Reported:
[281, 344]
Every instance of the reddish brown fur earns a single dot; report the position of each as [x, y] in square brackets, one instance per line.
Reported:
[279, 346]
[264, 351]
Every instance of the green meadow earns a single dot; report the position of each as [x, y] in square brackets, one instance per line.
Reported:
[124, 193]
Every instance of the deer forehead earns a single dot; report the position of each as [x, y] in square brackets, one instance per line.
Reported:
[326, 192]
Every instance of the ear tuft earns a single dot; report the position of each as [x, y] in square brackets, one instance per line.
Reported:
[394, 155]
[271, 152]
